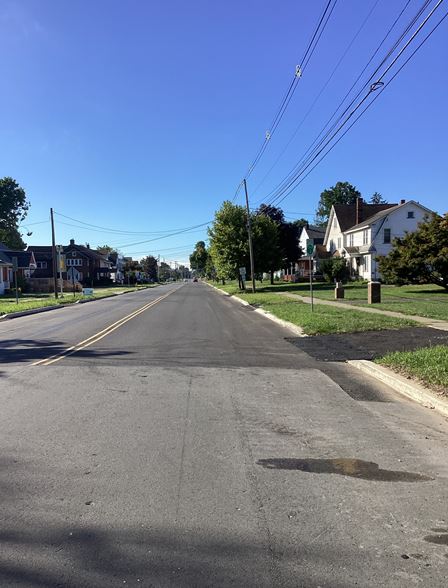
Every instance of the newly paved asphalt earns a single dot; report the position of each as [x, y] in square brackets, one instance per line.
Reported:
[196, 444]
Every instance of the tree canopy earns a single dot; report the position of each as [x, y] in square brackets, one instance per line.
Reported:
[13, 210]
[341, 193]
[420, 256]
[149, 266]
[229, 243]
[376, 198]
[198, 259]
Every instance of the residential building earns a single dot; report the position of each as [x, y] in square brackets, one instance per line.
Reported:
[90, 267]
[26, 265]
[317, 235]
[361, 232]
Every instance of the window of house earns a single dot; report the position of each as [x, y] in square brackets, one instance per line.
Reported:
[351, 240]
[73, 262]
[339, 242]
[386, 235]
[335, 223]
[365, 236]
[366, 263]
[41, 264]
[410, 214]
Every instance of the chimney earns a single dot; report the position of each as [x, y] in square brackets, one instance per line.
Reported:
[72, 241]
[402, 201]
[358, 210]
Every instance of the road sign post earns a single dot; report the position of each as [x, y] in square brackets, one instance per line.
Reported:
[71, 276]
[309, 252]
[242, 271]
[15, 267]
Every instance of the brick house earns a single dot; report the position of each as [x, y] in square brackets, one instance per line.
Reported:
[90, 267]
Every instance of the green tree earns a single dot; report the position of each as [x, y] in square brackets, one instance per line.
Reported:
[335, 269]
[198, 259]
[419, 257]
[13, 210]
[165, 271]
[376, 198]
[149, 266]
[228, 240]
[287, 249]
[106, 250]
[341, 193]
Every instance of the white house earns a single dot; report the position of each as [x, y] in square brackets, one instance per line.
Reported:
[360, 232]
[317, 235]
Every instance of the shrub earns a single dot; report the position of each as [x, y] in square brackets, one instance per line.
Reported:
[335, 269]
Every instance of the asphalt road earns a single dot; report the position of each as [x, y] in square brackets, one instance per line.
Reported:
[193, 444]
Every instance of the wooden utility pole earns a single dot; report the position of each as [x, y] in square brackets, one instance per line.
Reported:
[53, 255]
[249, 230]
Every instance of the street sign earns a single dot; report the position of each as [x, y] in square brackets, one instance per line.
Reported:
[309, 246]
[62, 262]
[71, 273]
[243, 272]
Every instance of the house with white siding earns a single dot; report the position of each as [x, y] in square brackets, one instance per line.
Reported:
[361, 232]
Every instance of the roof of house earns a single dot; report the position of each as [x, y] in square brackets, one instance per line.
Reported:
[47, 249]
[346, 213]
[382, 213]
[4, 259]
[315, 232]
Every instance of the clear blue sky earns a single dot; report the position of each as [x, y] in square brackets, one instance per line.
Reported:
[144, 115]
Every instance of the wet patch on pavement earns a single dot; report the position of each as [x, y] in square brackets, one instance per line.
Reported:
[354, 468]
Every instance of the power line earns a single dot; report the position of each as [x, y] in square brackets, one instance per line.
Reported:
[366, 108]
[316, 99]
[285, 187]
[294, 82]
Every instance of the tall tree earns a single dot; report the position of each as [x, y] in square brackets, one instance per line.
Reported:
[420, 256]
[341, 193]
[228, 240]
[229, 243]
[288, 238]
[376, 198]
[13, 210]
[149, 266]
[106, 250]
[198, 259]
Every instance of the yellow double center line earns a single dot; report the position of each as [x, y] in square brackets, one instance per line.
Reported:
[94, 338]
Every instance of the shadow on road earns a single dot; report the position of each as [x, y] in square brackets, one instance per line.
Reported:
[25, 350]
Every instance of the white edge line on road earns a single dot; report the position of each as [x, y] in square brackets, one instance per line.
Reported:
[298, 331]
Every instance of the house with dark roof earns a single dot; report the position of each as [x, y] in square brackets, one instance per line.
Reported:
[360, 232]
[90, 268]
[317, 235]
[26, 265]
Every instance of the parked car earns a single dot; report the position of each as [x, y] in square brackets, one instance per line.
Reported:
[195, 279]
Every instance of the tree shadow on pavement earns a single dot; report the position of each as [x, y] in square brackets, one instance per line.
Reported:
[25, 350]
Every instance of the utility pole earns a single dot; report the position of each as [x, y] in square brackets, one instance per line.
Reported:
[249, 230]
[53, 255]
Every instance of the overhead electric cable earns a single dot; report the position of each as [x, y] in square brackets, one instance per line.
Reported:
[299, 181]
[305, 162]
[294, 82]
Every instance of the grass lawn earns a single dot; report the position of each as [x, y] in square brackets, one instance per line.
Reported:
[429, 365]
[422, 300]
[324, 319]
[31, 301]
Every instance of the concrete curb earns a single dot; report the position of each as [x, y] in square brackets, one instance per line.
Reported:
[402, 385]
[12, 315]
[297, 331]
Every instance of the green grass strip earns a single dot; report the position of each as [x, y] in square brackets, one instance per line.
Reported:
[429, 365]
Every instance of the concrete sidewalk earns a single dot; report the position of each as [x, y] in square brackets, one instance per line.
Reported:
[428, 322]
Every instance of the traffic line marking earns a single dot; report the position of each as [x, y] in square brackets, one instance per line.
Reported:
[101, 334]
